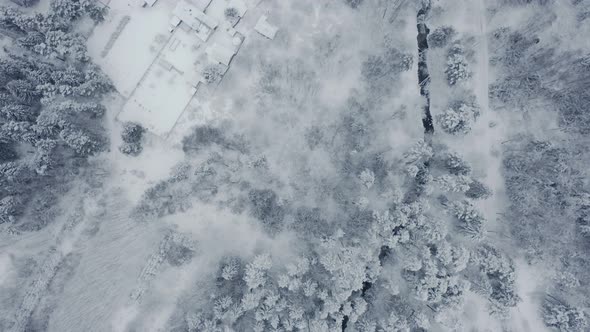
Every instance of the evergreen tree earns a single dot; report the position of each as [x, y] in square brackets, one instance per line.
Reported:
[457, 67]
[17, 112]
[10, 207]
[478, 190]
[441, 36]
[132, 134]
[18, 131]
[458, 119]
[7, 152]
[80, 142]
[563, 317]
[45, 104]
[23, 91]
[471, 221]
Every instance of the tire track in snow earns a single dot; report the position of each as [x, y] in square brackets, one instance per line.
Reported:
[116, 250]
[36, 290]
[48, 269]
[491, 131]
[64, 243]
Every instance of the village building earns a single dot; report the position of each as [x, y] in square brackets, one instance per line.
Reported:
[185, 51]
[191, 15]
[266, 29]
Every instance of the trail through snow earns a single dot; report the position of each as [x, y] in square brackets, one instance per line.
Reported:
[492, 130]
[489, 128]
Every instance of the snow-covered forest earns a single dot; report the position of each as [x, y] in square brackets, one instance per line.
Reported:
[354, 165]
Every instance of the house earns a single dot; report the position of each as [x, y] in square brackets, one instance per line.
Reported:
[149, 2]
[224, 50]
[174, 74]
[266, 29]
[188, 65]
[191, 15]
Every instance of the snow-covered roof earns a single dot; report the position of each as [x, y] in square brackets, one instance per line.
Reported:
[193, 16]
[223, 49]
[174, 21]
[150, 2]
[201, 4]
[220, 54]
[265, 28]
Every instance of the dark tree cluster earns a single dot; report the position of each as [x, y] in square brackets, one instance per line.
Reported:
[266, 207]
[385, 65]
[131, 135]
[203, 137]
[49, 118]
[25, 3]
[563, 317]
[545, 176]
[75, 9]
[457, 69]
[51, 35]
[441, 36]
[498, 277]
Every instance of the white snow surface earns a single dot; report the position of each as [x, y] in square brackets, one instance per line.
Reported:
[116, 253]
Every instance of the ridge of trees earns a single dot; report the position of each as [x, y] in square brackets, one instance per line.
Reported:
[50, 111]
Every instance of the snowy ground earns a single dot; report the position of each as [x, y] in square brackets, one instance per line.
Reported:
[118, 256]
[482, 147]
[107, 305]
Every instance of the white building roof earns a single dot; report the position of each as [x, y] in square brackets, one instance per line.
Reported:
[193, 16]
[147, 106]
[201, 4]
[265, 28]
[220, 54]
[174, 21]
[224, 46]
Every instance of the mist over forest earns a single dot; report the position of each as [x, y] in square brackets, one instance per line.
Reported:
[355, 165]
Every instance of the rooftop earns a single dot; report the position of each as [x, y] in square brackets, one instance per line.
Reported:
[161, 57]
[265, 28]
[195, 18]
